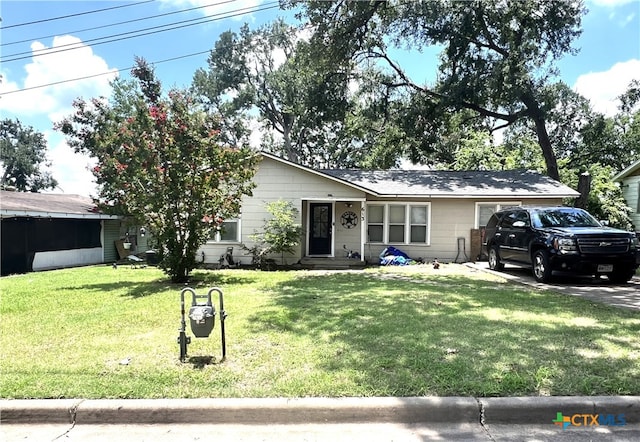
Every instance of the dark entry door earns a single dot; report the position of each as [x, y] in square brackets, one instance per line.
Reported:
[321, 222]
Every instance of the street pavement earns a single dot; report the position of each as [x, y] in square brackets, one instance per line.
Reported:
[324, 419]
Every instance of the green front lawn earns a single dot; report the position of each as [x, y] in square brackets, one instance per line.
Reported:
[380, 332]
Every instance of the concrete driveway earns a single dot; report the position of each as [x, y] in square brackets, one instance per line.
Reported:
[618, 295]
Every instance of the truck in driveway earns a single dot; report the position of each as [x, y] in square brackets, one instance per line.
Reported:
[565, 239]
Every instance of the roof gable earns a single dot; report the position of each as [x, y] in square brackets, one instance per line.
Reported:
[631, 170]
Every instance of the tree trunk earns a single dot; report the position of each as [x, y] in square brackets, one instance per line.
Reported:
[547, 148]
[536, 114]
[584, 187]
[290, 152]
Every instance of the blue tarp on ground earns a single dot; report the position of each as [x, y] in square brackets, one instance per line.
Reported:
[393, 256]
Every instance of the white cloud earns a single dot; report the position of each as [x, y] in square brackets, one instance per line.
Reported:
[50, 67]
[603, 88]
[70, 169]
[612, 3]
[628, 19]
[46, 105]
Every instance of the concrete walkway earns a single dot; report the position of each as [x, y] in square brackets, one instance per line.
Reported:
[322, 419]
[602, 291]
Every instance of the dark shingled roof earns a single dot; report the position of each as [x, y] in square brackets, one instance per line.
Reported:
[47, 204]
[429, 183]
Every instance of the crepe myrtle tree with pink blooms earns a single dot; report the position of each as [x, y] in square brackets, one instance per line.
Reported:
[160, 159]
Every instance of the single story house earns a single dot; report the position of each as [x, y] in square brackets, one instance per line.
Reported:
[41, 231]
[358, 213]
[629, 180]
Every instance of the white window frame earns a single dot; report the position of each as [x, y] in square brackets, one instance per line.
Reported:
[384, 222]
[216, 237]
[407, 222]
[427, 224]
[499, 205]
[390, 224]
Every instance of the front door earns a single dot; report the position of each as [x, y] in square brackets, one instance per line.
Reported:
[321, 223]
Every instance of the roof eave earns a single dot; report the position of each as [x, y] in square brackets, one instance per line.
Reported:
[483, 196]
[5, 213]
[622, 175]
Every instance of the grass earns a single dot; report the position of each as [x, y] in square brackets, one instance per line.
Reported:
[381, 332]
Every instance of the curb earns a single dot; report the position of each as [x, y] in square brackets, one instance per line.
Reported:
[541, 410]
[407, 410]
[242, 411]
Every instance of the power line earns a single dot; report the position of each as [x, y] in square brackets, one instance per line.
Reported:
[101, 74]
[129, 68]
[119, 23]
[75, 15]
[141, 33]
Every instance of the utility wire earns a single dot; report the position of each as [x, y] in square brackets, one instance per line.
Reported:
[119, 23]
[129, 68]
[102, 73]
[75, 15]
[140, 32]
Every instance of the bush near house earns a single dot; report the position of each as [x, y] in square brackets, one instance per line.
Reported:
[280, 234]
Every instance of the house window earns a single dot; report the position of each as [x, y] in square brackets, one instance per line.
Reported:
[419, 224]
[375, 225]
[398, 223]
[485, 210]
[638, 202]
[228, 231]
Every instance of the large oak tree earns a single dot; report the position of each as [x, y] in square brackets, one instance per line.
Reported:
[268, 75]
[23, 152]
[497, 61]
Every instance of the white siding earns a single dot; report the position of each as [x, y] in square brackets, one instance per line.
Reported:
[274, 181]
[631, 193]
[347, 239]
[66, 258]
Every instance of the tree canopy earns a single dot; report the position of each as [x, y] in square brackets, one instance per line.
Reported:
[160, 160]
[497, 58]
[269, 73]
[23, 151]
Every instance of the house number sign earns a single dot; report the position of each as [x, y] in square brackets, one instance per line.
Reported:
[349, 220]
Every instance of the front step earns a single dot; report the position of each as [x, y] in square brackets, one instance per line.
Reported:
[331, 263]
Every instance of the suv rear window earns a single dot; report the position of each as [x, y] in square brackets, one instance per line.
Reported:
[512, 217]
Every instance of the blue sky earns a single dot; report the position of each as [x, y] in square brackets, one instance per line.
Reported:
[609, 56]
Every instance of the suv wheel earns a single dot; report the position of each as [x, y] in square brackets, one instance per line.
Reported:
[541, 267]
[494, 259]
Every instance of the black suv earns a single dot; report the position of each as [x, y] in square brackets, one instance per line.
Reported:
[559, 239]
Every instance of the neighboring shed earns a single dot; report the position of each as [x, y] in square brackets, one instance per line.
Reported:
[41, 231]
[629, 180]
